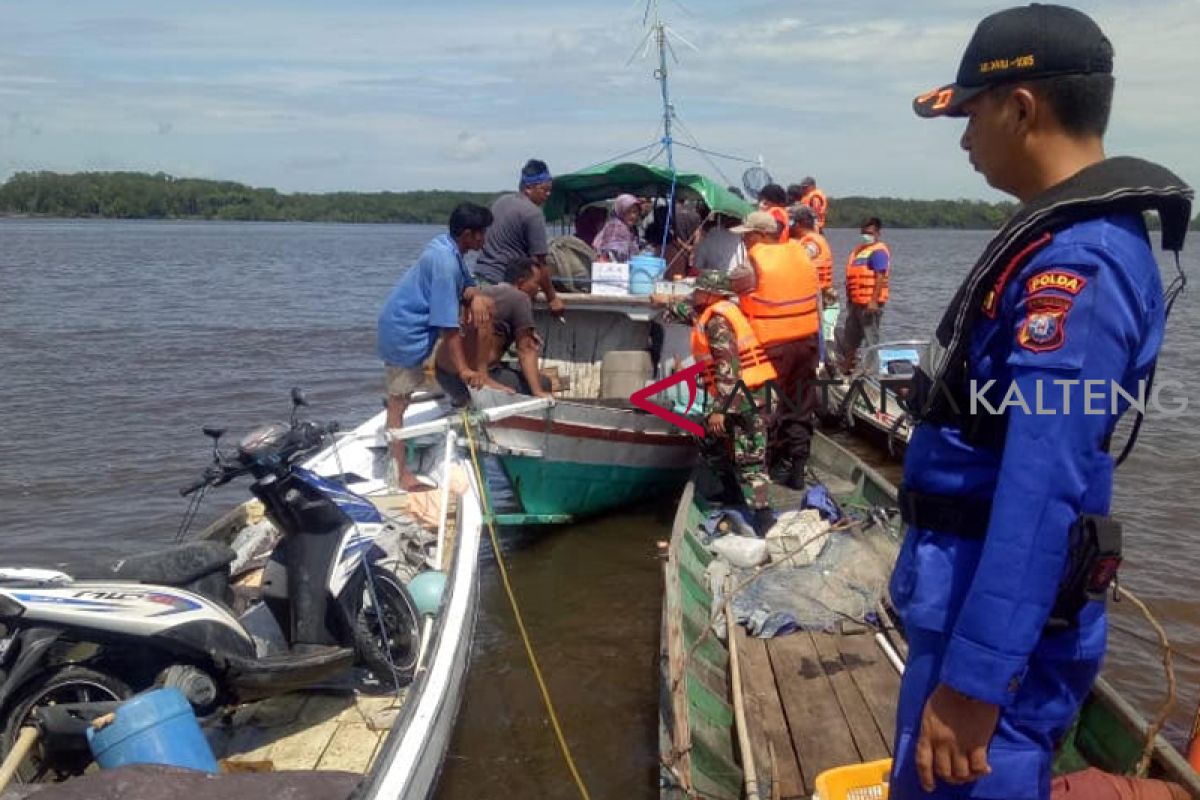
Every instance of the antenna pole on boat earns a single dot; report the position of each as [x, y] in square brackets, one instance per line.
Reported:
[660, 38]
[661, 75]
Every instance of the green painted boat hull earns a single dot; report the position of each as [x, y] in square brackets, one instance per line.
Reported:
[558, 488]
[698, 744]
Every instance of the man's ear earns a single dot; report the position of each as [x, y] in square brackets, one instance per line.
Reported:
[1024, 107]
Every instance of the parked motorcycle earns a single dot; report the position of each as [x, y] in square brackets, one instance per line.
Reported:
[165, 618]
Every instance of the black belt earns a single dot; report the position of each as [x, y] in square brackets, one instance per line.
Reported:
[959, 516]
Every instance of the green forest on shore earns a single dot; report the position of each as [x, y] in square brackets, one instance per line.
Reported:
[136, 195]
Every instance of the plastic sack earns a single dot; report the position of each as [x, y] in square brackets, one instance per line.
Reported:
[740, 551]
[797, 538]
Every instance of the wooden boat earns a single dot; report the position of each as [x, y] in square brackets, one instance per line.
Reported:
[592, 451]
[868, 402]
[394, 740]
[818, 699]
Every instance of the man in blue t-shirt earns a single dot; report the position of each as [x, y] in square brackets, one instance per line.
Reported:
[427, 305]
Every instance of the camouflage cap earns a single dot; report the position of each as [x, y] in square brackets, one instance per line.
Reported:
[714, 281]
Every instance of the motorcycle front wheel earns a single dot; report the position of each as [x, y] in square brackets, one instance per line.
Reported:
[386, 628]
[72, 684]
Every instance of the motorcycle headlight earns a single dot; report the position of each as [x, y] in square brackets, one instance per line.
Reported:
[262, 441]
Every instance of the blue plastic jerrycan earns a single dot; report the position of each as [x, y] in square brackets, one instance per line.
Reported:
[156, 727]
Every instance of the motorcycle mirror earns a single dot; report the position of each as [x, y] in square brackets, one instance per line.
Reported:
[213, 433]
[298, 398]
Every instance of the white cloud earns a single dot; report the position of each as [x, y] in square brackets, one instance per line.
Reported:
[467, 147]
[266, 94]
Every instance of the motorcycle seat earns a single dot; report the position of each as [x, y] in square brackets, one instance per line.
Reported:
[177, 566]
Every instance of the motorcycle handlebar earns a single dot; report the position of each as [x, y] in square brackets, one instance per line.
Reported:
[309, 435]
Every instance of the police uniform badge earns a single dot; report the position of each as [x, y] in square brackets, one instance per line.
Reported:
[1044, 326]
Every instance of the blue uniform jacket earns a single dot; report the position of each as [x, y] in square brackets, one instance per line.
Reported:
[1087, 306]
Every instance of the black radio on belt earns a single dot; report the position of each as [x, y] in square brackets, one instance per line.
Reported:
[1093, 558]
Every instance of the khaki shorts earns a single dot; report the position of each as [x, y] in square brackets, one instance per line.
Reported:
[403, 381]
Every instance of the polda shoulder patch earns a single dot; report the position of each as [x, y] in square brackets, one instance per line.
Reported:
[1060, 280]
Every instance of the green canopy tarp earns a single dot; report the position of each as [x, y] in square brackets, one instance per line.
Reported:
[575, 190]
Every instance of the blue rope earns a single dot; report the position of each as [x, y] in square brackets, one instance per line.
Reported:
[670, 198]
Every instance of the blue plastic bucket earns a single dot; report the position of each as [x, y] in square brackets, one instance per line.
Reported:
[643, 272]
[157, 727]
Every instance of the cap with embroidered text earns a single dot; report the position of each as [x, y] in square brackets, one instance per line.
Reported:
[1022, 43]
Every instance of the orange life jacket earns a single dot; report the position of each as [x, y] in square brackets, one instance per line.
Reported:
[781, 216]
[818, 202]
[860, 278]
[783, 305]
[755, 368]
[823, 259]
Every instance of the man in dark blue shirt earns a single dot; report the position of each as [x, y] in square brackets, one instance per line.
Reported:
[1005, 490]
[427, 305]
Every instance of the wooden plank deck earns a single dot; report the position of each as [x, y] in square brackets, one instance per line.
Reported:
[816, 701]
[306, 730]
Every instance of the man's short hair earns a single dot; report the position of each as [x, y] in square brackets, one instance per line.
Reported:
[533, 167]
[519, 269]
[774, 194]
[794, 192]
[469, 217]
[871, 222]
[1081, 103]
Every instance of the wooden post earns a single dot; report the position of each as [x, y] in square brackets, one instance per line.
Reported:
[26, 739]
[739, 708]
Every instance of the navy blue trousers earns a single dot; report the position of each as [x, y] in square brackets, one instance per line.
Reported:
[1030, 727]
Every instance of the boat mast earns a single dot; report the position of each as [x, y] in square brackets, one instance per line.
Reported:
[659, 30]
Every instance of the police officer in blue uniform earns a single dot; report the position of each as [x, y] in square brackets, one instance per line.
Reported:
[1008, 479]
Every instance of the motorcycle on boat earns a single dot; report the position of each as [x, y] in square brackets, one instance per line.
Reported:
[167, 618]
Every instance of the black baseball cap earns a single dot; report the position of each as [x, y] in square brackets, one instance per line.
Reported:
[1022, 43]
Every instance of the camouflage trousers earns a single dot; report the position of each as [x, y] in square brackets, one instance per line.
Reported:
[742, 451]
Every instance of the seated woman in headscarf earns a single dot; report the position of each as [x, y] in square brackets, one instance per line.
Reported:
[618, 240]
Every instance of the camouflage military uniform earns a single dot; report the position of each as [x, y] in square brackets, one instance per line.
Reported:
[744, 447]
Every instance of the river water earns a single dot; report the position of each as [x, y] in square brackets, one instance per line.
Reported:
[118, 340]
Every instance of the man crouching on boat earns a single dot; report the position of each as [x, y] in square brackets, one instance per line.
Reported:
[1001, 577]
[424, 306]
[512, 324]
[724, 342]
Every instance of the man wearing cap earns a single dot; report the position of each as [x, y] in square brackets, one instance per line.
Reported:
[1001, 576]
[519, 231]
[778, 290]
[804, 230]
[724, 341]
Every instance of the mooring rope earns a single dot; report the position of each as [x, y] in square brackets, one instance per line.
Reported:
[512, 600]
[1143, 765]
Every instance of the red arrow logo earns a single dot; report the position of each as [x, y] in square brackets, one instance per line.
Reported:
[640, 398]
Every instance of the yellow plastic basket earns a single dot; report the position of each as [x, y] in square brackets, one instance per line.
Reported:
[855, 782]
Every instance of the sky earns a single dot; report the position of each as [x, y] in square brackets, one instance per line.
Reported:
[365, 95]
